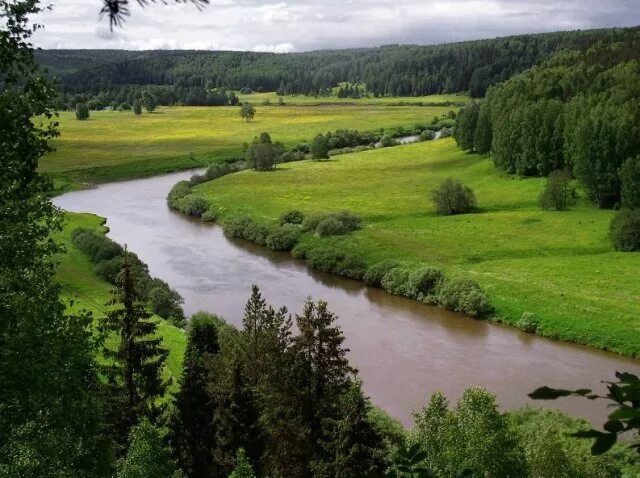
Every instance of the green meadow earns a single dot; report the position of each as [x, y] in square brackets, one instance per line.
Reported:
[434, 100]
[114, 145]
[559, 266]
[89, 292]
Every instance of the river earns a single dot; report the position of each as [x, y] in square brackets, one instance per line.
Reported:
[404, 350]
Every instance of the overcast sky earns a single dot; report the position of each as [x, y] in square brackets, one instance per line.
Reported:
[301, 25]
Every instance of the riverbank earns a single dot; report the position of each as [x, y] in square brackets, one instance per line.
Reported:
[557, 266]
[91, 293]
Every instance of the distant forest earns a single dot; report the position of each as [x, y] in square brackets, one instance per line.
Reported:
[186, 77]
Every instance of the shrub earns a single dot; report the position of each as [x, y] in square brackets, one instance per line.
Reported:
[97, 246]
[192, 205]
[630, 183]
[178, 191]
[300, 251]
[351, 221]
[464, 296]
[387, 140]
[374, 275]
[311, 222]
[238, 226]
[558, 193]
[82, 111]
[326, 259]
[446, 132]
[624, 230]
[396, 281]
[166, 302]
[283, 238]
[528, 322]
[210, 215]
[330, 226]
[423, 283]
[291, 217]
[427, 135]
[109, 269]
[453, 197]
[319, 147]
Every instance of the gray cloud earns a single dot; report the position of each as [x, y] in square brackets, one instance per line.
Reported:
[300, 25]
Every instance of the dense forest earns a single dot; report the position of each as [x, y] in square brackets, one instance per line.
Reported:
[579, 110]
[185, 77]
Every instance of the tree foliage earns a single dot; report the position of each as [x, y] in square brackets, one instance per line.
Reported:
[50, 406]
[134, 369]
[453, 197]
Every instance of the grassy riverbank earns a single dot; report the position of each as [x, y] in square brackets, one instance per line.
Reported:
[89, 292]
[556, 265]
[114, 145]
[431, 100]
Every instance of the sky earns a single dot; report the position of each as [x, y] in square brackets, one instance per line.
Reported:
[303, 25]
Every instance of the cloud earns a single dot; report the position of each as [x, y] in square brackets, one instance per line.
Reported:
[279, 48]
[288, 25]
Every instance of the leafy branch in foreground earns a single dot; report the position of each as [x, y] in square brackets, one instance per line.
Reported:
[625, 395]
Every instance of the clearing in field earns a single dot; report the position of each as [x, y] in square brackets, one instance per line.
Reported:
[558, 265]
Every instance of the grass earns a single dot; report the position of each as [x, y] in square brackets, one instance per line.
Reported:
[89, 292]
[256, 99]
[558, 265]
[114, 145]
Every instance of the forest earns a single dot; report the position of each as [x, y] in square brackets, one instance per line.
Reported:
[187, 77]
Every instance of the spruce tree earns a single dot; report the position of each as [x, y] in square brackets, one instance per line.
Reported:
[243, 468]
[134, 372]
[356, 448]
[238, 422]
[193, 431]
[322, 371]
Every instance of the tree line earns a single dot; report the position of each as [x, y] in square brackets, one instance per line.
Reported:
[393, 70]
[577, 111]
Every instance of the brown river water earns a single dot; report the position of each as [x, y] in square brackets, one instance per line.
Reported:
[404, 350]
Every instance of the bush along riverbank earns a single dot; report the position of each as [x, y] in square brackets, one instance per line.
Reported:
[424, 283]
[107, 256]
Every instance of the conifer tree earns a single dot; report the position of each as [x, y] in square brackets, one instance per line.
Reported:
[193, 430]
[134, 371]
[238, 421]
[356, 448]
[322, 371]
[243, 468]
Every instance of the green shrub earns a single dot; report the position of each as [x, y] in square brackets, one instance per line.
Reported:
[374, 275]
[528, 322]
[166, 302]
[210, 215]
[424, 283]
[82, 111]
[387, 141]
[291, 217]
[427, 135]
[464, 296]
[300, 251]
[558, 192]
[330, 226]
[97, 246]
[352, 222]
[311, 222]
[109, 269]
[178, 191]
[326, 259]
[624, 230]
[192, 205]
[453, 197]
[238, 226]
[283, 238]
[396, 281]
